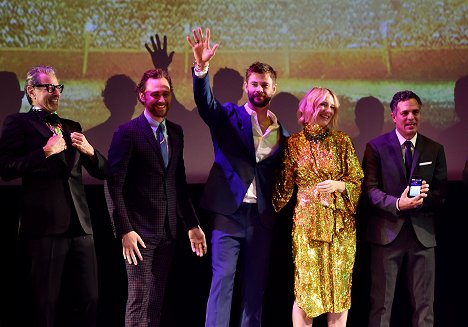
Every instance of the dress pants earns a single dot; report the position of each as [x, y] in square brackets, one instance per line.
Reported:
[241, 242]
[404, 257]
[54, 260]
[147, 283]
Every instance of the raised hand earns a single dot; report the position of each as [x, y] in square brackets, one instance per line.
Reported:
[201, 48]
[158, 53]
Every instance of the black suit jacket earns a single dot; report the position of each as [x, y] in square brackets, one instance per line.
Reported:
[235, 166]
[51, 186]
[385, 179]
[142, 190]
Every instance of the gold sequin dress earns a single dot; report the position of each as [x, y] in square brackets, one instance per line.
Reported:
[324, 230]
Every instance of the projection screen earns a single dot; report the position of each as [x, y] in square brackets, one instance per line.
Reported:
[365, 50]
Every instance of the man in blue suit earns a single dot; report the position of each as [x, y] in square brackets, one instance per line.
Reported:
[400, 226]
[247, 142]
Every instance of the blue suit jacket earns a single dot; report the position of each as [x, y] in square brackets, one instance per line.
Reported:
[385, 179]
[234, 166]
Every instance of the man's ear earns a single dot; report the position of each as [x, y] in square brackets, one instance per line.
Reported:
[141, 97]
[30, 91]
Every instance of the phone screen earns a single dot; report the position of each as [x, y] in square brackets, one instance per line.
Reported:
[415, 187]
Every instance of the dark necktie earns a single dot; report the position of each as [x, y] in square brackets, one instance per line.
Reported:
[408, 158]
[162, 143]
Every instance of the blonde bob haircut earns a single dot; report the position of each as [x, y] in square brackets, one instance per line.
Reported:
[308, 106]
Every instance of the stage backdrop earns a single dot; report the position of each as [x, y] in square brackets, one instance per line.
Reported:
[365, 50]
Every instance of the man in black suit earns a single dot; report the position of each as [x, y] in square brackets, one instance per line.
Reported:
[149, 193]
[401, 228]
[247, 141]
[48, 153]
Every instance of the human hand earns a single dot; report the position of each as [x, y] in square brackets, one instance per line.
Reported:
[406, 203]
[159, 54]
[130, 248]
[55, 144]
[330, 186]
[80, 142]
[202, 51]
[197, 241]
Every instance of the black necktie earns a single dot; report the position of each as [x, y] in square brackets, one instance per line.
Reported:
[408, 158]
[162, 143]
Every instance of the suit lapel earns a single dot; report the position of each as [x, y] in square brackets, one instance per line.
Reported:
[246, 130]
[42, 128]
[39, 124]
[396, 153]
[174, 142]
[418, 149]
[70, 153]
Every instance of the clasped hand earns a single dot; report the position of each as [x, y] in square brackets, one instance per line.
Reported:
[330, 186]
[56, 144]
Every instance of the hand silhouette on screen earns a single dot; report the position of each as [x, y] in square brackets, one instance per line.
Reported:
[159, 56]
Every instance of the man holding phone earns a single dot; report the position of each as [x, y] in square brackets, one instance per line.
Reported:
[405, 182]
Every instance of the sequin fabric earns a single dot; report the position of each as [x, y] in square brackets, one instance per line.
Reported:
[324, 230]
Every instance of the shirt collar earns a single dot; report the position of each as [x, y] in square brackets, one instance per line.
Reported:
[270, 114]
[402, 140]
[153, 123]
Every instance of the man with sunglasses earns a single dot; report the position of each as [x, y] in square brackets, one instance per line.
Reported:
[48, 153]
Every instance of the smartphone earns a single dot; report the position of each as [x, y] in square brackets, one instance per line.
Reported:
[415, 186]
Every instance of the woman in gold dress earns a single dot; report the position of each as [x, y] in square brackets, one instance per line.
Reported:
[322, 163]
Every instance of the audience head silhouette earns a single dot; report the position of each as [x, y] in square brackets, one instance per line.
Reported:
[119, 97]
[10, 93]
[369, 116]
[227, 85]
[284, 105]
[460, 94]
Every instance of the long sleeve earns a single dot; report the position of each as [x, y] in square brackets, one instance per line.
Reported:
[284, 186]
[352, 176]
[119, 157]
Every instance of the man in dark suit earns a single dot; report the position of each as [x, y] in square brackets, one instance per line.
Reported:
[48, 153]
[401, 228]
[149, 193]
[247, 141]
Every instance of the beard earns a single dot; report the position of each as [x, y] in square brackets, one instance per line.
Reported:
[160, 112]
[259, 104]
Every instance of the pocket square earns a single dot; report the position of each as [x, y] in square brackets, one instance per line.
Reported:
[425, 163]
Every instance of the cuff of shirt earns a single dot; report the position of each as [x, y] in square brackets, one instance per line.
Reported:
[201, 73]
